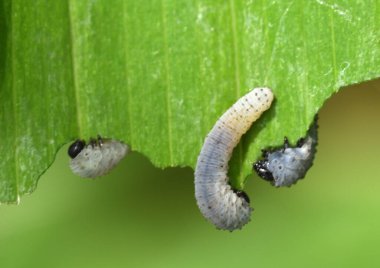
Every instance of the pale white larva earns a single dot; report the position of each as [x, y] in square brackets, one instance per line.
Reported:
[96, 158]
[285, 166]
[225, 207]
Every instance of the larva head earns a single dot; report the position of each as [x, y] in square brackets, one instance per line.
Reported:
[242, 194]
[261, 168]
[75, 148]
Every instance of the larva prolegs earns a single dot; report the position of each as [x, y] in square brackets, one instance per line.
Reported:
[226, 208]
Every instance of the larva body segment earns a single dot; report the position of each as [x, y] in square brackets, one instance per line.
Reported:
[226, 208]
[96, 158]
[285, 166]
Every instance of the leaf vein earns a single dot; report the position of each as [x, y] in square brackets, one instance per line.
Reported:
[333, 48]
[128, 87]
[73, 68]
[14, 104]
[167, 78]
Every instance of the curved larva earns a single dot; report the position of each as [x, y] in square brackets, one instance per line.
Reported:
[227, 208]
[285, 166]
[96, 158]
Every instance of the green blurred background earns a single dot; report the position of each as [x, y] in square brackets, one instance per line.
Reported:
[141, 216]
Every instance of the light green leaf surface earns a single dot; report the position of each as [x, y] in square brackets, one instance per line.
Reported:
[158, 74]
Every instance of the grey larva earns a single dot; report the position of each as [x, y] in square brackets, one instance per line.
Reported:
[225, 207]
[96, 158]
[285, 166]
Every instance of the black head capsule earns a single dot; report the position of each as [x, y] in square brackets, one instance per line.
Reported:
[261, 167]
[75, 148]
[242, 194]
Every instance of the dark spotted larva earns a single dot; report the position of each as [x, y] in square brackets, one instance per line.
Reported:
[285, 166]
[225, 207]
[96, 158]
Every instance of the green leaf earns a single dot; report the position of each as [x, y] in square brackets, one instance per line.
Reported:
[158, 74]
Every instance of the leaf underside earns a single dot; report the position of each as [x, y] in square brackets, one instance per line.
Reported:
[158, 74]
